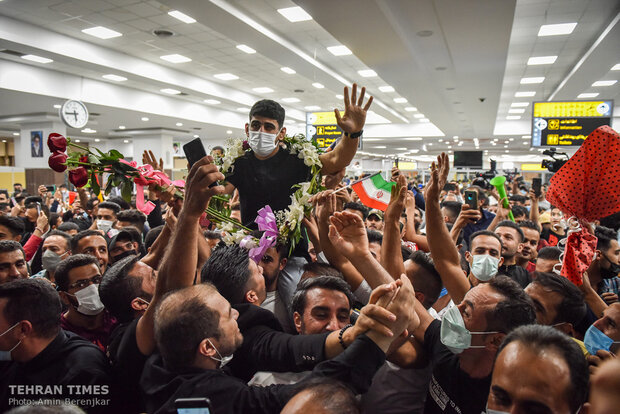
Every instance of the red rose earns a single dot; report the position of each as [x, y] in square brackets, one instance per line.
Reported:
[79, 176]
[56, 161]
[84, 158]
[56, 142]
[245, 145]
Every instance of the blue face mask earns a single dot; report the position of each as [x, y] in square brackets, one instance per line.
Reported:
[6, 355]
[595, 340]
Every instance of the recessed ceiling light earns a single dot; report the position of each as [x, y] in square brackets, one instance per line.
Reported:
[456, 137]
[77, 140]
[247, 49]
[616, 66]
[295, 14]
[588, 95]
[411, 109]
[263, 89]
[312, 108]
[181, 16]
[542, 60]
[196, 136]
[318, 85]
[505, 146]
[516, 110]
[290, 100]
[16, 134]
[339, 96]
[102, 32]
[425, 120]
[367, 73]
[556, 29]
[513, 117]
[38, 59]
[121, 127]
[526, 94]
[379, 147]
[226, 76]
[339, 50]
[525, 142]
[400, 100]
[170, 91]
[144, 118]
[386, 88]
[179, 124]
[97, 140]
[175, 58]
[526, 136]
[519, 104]
[115, 78]
[57, 106]
[537, 79]
[418, 115]
[88, 131]
[288, 70]
[414, 139]
[229, 132]
[604, 83]
[126, 141]
[243, 109]
[212, 101]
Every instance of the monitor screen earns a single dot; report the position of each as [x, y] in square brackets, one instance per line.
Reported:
[471, 159]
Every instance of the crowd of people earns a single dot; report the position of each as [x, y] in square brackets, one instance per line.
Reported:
[430, 306]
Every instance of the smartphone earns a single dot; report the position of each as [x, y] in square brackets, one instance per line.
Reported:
[536, 184]
[50, 188]
[471, 199]
[194, 151]
[39, 208]
[193, 406]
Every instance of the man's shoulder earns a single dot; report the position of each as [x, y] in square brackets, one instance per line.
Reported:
[251, 316]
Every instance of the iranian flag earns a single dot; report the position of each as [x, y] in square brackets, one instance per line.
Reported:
[374, 191]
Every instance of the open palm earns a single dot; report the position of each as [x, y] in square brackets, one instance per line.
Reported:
[348, 234]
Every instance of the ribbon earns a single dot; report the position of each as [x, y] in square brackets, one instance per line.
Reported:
[266, 222]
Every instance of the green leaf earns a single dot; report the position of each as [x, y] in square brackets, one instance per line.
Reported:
[126, 191]
[100, 153]
[94, 184]
[115, 154]
[92, 159]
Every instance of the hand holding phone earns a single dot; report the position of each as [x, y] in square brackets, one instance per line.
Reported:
[536, 184]
[471, 199]
[194, 152]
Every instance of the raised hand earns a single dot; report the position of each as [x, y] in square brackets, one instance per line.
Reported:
[324, 204]
[354, 116]
[149, 158]
[397, 200]
[439, 176]
[467, 215]
[348, 235]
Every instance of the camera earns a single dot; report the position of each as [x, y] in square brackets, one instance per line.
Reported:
[482, 179]
[557, 161]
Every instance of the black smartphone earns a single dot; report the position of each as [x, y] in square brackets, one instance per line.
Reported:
[536, 184]
[193, 406]
[471, 199]
[50, 188]
[194, 151]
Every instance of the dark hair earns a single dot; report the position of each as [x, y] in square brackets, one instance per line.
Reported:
[228, 270]
[518, 198]
[117, 289]
[268, 109]
[427, 280]
[75, 240]
[218, 148]
[91, 202]
[540, 338]
[13, 224]
[572, 309]
[124, 205]
[484, 233]
[482, 196]
[34, 300]
[53, 219]
[3, 206]
[321, 269]
[188, 317]
[353, 205]
[518, 211]
[512, 225]
[67, 226]
[62, 234]
[134, 217]
[605, 237]
[454, 207]
[213, 234]
[151, 236]
[549, 253]
[115, 207]
[516, 310]
[374, 236]
[298, 303]
[62, 271]
[333, 396]
[527, 224]
[7, 246]
[612, 221]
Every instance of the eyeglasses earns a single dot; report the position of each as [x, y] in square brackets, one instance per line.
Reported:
[82, 283]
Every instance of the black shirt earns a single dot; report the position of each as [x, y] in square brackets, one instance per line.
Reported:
[451, 390]
[516, 273]
[68, 361]
[551, 237]
[355, 367]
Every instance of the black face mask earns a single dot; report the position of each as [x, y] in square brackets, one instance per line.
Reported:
[125, 254]
[612, 271]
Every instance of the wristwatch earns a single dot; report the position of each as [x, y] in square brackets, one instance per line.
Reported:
[354, 134]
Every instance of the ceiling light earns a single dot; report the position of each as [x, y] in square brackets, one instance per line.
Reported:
[379, 147]
[401, 149]
[449, 146]
[525, 142]
[102, 32]
[616, 66]
[339, 50]
[144, 118]
[38, 59]
[526, 136]
[212, 101]
[537, 79]
[175, 58]
[229, 132]
[513, 117]
[386, 88]
[604, 83]
[115, 78]
[424, 120]
[121, 127]
[57, 106]
[411, 109]
[556, 29]
[97, 140]
[196, 136]
[170, 91]
[519, 104]
[181, 16]
[126, 141]
[295, 14]
[288, 70]
[527, 94]
[179, 124]
[400, 100]
[587, 95]
[312, 108]
[418, 116]
[413, 139]
[77, 140]
[542, 60]
[88, 131]
[516, 110]
[226, 76]
[262, 89]
[290, 100]
[505, 146]
[339, 96]
[16, 134]
[367, 73]
[243, 109]
[247, 49]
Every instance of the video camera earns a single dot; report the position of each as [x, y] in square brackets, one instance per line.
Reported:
[559, 159]
[482, 179]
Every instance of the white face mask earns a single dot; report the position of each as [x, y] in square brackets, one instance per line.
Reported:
[104, 225]
[223, 360]
[484, 267]
[454, 335]
[89, 302]
[262, 143]
[50, 260]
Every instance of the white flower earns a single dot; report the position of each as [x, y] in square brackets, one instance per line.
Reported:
[227, 227]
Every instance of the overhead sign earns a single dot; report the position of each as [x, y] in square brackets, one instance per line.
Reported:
[322, 127]
[569, 123]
